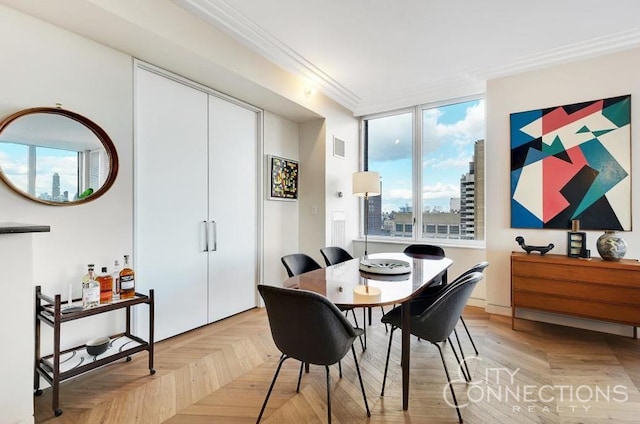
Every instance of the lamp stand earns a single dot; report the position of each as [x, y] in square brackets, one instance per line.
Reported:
[366, 221]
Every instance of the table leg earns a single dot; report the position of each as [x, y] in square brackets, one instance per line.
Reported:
[406, 339]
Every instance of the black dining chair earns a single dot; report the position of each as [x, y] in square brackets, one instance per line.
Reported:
[299, 263]
[430, 294]
[436, 322]
[308, 327]
[424, 251]
[430, 251]
[334, 255]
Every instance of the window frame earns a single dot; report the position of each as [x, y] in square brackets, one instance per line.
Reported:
[417, 222]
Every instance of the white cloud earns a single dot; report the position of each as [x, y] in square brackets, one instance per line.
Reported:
[461, 133]
[398, 194]
[440, 191]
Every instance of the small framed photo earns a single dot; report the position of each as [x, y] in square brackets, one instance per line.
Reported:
[283, 178]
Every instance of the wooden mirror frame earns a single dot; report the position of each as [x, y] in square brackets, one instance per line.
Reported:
[102, 136]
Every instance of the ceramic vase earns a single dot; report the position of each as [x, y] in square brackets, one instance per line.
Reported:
[611, 246]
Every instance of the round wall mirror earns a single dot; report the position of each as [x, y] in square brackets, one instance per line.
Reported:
[56, 157]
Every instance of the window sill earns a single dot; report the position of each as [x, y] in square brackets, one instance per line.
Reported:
[457, 244]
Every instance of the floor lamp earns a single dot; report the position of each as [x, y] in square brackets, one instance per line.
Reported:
[365, 184]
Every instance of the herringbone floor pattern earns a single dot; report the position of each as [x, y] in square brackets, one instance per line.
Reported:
[220, 374]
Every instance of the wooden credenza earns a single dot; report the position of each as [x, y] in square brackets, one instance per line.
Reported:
[593, 288]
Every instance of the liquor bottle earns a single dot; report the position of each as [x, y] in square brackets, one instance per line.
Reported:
[90, 290]
[127, 281]
[116, 280]
[85, 278]
[106, 286]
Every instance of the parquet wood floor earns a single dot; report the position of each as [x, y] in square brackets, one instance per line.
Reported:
[220, 373]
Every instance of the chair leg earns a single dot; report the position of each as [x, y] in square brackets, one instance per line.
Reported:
[464, 360]
[469, 334]
[364, 327]
[273, 382]
[453, 349]
[355, 321]
[446, 371]
[340, 368]
[328, 394]
[386, 329]
[386, 365]
[299, 377]
[364, 395]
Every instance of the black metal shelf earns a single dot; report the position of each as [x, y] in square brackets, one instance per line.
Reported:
[50, 311]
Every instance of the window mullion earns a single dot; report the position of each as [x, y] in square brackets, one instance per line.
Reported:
[417, 174]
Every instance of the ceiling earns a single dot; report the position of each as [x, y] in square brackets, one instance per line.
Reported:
[377, 55]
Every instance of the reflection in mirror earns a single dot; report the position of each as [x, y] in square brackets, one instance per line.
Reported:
[56, 156]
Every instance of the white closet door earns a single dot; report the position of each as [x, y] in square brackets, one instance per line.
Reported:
[171, 202]
[233, 208]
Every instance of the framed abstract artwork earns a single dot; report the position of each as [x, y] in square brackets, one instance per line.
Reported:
[572, 162]
[283, 178]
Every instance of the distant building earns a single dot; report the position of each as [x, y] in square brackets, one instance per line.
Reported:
[454, 204]
[375, 215]
[465, 219]
[55, 190]
[472, 197]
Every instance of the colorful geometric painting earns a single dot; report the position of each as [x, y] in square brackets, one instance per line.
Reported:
[572, 162]
[283, 178]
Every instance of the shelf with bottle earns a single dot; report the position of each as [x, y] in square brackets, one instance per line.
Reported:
[70, 311]
[61, 365]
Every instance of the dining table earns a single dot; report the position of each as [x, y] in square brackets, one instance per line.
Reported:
[374, 280]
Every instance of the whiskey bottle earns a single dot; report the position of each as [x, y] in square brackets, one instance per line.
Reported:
[116, 280]
[106, 286]
[127, 281]
[90, 290]
[85, 278]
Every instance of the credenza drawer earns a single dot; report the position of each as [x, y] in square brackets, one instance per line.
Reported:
[575, 272]
[578, 290]
[625, 314]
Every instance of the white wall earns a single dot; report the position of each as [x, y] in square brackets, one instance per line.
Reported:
[44, 65]
[338, 173]
[605, 76]
[280, 220]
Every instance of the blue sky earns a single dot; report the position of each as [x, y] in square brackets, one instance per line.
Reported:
[449, 134]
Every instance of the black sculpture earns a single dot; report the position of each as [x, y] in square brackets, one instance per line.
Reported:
[529, 249]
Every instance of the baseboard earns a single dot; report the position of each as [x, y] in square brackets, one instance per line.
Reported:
[569, 321]
[480, 303]
[498, 309]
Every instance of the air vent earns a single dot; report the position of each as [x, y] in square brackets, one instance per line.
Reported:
[338, 147]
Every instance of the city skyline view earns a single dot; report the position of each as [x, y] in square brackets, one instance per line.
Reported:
[449, 133]
[14, 161]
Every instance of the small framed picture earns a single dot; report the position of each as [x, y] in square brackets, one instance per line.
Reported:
[283, 178]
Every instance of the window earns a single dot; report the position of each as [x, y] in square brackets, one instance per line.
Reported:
[430, 159]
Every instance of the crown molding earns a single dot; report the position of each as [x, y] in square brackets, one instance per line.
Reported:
[469, 81]
[243, 29]
[612, 43]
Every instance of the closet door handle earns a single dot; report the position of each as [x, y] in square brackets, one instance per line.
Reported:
[215, 236]
[206, 236]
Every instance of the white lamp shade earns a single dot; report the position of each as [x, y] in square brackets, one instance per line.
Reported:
[366, 183]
